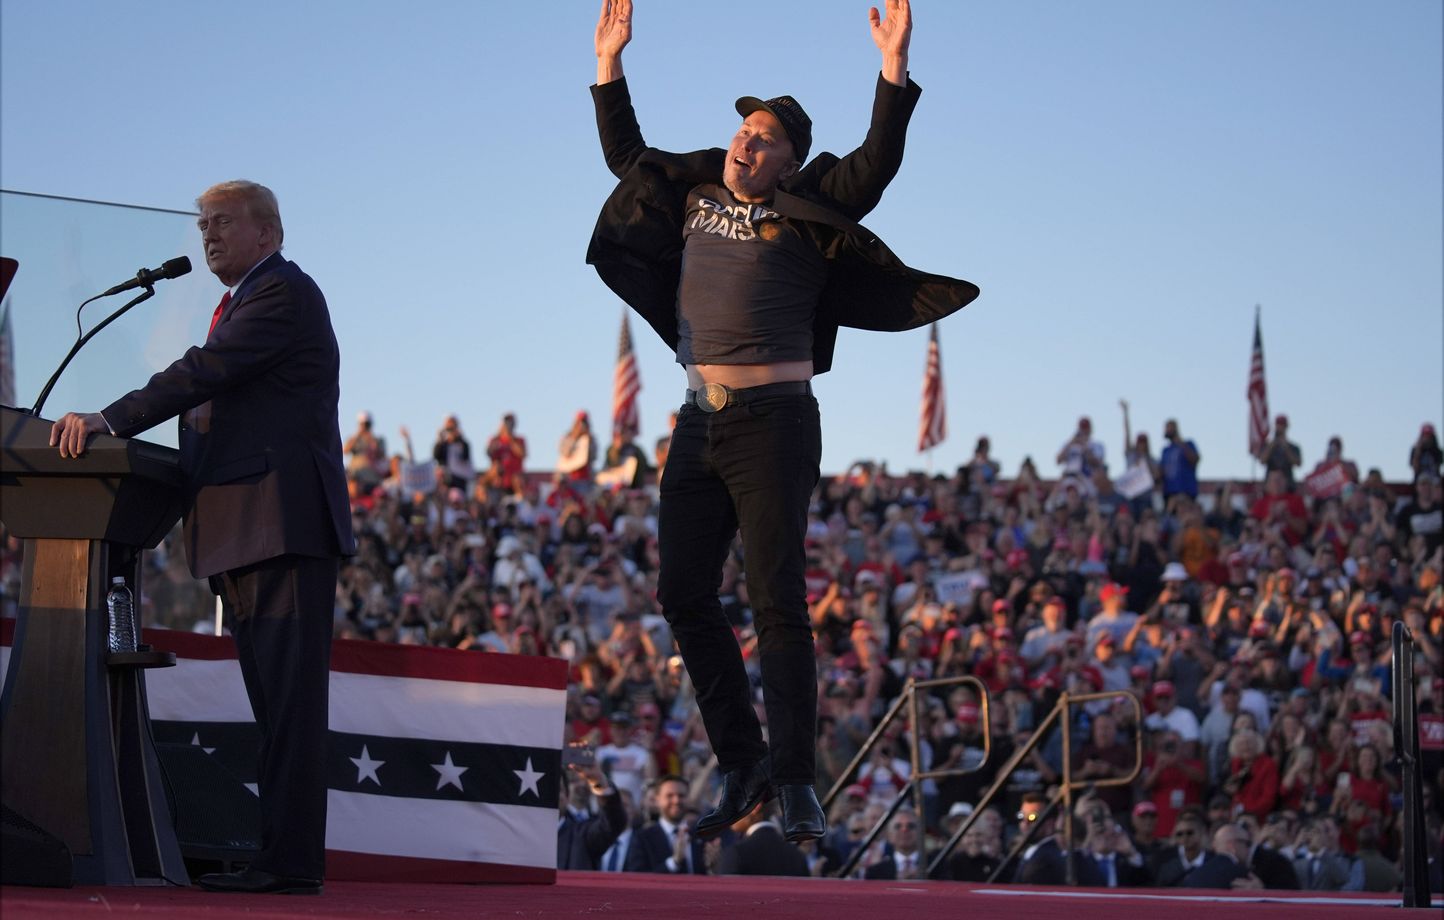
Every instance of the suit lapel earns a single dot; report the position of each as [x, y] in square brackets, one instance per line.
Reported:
[267, 265]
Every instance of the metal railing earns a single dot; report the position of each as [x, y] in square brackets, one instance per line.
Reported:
[1061, 711]
[908, 701]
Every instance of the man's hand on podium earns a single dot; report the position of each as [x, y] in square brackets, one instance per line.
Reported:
[73, 430]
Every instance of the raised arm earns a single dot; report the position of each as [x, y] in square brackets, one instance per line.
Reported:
[891, 35]
[614, 30]
[855, 185]
[617, 127]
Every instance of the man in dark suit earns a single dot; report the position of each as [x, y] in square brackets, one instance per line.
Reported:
[1116, 859]
[761, 848]
[1321, 865]
[906, 861]
[1227, 867]
[1187, 853]
[667, 844]
[1045, 862]
[1273, 869]
[267, 516]
[582, 837]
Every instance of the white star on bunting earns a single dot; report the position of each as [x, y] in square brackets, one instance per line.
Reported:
[529, 779]
[449, 774]
[196, 740]
[366, 767]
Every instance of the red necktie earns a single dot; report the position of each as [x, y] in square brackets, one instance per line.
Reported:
[216, 316]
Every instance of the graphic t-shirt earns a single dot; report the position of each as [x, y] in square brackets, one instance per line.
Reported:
[751, 280]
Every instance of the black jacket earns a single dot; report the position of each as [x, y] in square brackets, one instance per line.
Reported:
[651, 849]
[1047, 865]
[1273, 868]
[763, 851]
[637, 244]
[1217, 871]
[582, 841]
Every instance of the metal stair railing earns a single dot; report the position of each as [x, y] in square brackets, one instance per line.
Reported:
[908, 701]
[1064, 793]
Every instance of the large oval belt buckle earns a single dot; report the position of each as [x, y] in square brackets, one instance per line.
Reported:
[712, 397]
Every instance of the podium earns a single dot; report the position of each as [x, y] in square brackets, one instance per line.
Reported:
[78, 765]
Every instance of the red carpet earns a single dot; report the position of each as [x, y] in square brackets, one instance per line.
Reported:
[586, 894]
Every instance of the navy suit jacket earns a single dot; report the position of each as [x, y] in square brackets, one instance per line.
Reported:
[582, 841]
[1049, 866]
[650, 850]
[259, 439]
[1217, 871]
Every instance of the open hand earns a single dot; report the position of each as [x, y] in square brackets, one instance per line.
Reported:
[614, 27]
[891, 36]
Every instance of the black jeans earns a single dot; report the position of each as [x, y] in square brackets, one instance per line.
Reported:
[752, 466]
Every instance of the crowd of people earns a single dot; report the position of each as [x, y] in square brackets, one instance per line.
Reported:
[1249, 622]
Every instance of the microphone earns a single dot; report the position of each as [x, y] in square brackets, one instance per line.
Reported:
[172, 268]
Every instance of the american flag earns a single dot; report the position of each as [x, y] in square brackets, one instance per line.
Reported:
[1258, 394]
[626, 384]
[444, 765]
[933, 425]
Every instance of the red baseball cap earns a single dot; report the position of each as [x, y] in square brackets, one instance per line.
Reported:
[1112, 590]
[967, 713]
[1144, 808]
[1163, 688]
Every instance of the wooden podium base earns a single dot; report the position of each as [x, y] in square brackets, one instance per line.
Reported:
[76, 755]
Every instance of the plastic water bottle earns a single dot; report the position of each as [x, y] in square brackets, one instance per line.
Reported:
[121, 606]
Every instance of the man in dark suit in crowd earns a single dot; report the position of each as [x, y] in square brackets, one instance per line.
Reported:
[1117, 860]
[667, 844]
[1273, 869]
[761, 848]
[615, 858]
[1045, 862]
[1321, 865]
[1227, 867]
[267, 515]
[906, 861]
[583, 837]
[1188, 852]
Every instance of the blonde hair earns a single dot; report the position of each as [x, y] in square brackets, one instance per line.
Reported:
[260, 202]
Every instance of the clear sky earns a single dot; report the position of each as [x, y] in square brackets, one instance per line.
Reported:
[1124, 179]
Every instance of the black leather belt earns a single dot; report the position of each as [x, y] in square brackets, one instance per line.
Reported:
[714, 397]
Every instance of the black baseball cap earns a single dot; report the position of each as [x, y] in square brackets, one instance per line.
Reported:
[787, 111]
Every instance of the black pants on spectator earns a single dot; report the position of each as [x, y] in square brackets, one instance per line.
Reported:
[752, 466]
[280, 613]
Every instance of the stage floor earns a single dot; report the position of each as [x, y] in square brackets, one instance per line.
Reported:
[578, 894]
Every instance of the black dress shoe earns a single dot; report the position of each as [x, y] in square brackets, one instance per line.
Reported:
[742, 789]
[802, 817]
[256, 881]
